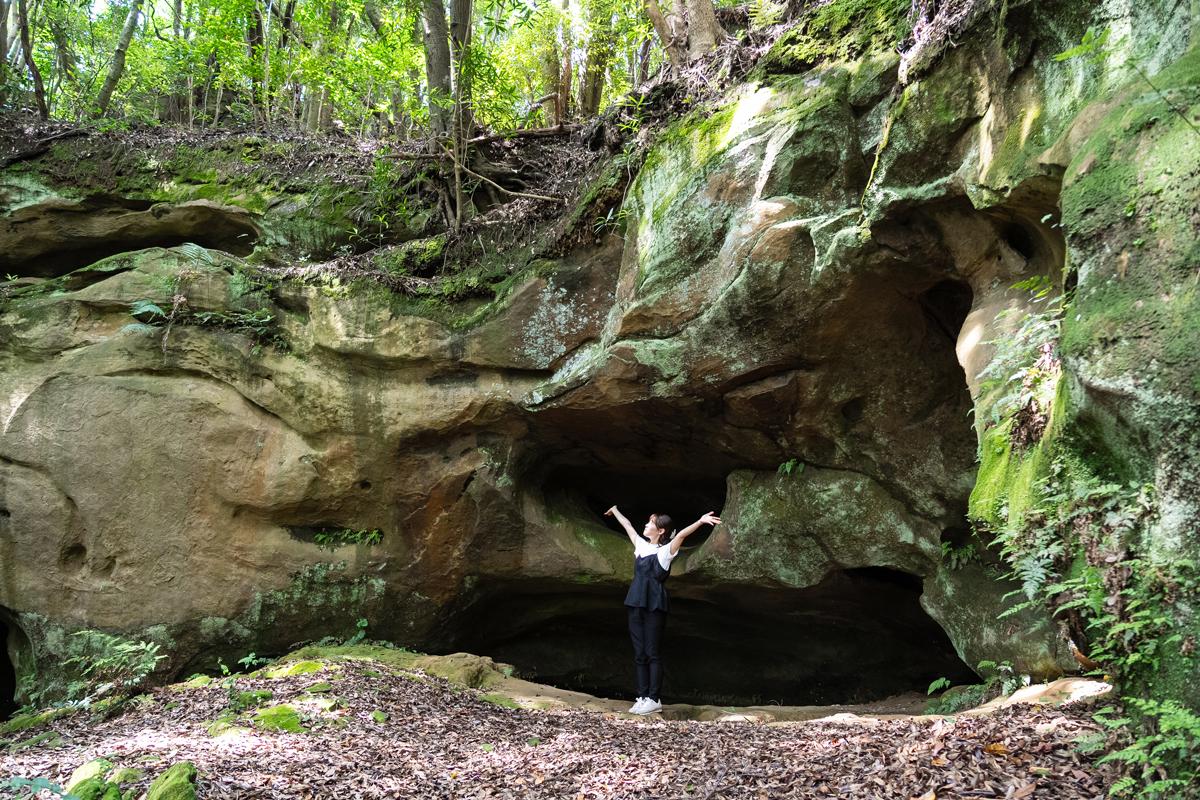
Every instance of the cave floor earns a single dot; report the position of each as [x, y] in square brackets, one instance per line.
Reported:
[371, 728]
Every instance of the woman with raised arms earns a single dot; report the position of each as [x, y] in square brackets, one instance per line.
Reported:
[647, 602]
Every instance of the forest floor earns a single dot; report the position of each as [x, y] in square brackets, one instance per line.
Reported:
[376, 728]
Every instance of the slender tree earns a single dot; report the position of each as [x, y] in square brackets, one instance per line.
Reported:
[118, 63]
[39, 91]
[600, 47]
[436, 38]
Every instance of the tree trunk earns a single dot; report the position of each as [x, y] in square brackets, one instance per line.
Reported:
[564, 84]
[667, 36]
[375, 17]
[643, 63]
[703, 30]
[549, 62]
[118, 62]
[437, 65]
[254, 47]
[461, 12]
[39, 91]
[4, 6]
[600, 49]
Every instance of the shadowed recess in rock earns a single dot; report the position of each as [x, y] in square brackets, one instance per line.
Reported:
[860, 635]
[8, 673]
[586, 493]
[50, 239]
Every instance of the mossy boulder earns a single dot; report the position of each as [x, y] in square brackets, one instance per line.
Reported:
[283, 718]
[178, 782]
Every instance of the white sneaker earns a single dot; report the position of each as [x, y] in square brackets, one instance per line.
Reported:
[636, 708]
[649, 707]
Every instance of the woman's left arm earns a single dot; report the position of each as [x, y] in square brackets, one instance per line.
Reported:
[708, 519]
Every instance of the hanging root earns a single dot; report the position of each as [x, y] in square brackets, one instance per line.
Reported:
[935, 24]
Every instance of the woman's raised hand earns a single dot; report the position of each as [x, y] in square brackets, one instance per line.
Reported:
[610, 512]
[711, 518]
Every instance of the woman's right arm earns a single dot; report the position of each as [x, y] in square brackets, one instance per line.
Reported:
[629, 531]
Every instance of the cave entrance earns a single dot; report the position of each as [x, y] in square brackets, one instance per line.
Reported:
[858, 636]
[12, 638]
[585, 493]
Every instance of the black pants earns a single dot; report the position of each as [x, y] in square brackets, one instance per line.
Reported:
[645, 629]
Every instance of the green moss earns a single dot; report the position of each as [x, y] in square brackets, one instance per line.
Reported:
[839, 30]
[94, 789]
[43, 739]
[394, 657]
[177, 783]
[124, 775]
[252, 698]
[282, 718]
[499, 700]
[93, 770]
[295, 668]
[24, 721]
[379, 716]
[320, 687]
[1009, 481]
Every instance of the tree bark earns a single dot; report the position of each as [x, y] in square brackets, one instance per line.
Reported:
[118, 62]
[666, 35]
[461, 12]
[39, 91]
[600, 49]
[4, 7]
[549, 62]
[437, 65]
[564, 85]
[703, 30]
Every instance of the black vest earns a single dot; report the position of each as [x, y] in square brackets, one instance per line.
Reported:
[647, 590]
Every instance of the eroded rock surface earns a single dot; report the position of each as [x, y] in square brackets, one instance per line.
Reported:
[792, 331]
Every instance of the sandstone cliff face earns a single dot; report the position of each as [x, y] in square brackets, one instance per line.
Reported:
[812, 277]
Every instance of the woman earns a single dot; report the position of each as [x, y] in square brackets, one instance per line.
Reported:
[647, 599]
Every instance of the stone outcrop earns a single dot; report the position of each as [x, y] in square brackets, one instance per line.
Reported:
[793, 330]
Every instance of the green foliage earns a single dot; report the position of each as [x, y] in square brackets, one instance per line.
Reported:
[1090, 48]
[258, 324]
[111, 663]
[1170, 734]
[333, 538]
[957, 556]
[1024, 368]
[24, 788]
[792, 465]
[999, 679]
[938, 685]
[252, 660]
[360, 633]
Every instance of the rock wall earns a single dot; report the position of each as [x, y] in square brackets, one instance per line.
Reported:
[794, 328]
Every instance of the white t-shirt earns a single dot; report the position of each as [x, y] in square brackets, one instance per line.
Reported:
[643, 548]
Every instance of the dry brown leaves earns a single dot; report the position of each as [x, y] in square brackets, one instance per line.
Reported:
[439, 742]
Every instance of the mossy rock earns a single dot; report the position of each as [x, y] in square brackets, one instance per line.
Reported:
[96, 769]
[320, 687]
[499, 700]
[95, 789]
[25, 721]
[194, 682]
[294, 668]
[177, 783]
[840, 29]
[282, 717]
[125, 775]
[379, 716]
[43, 739]
[255, 697]
[463, 669]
